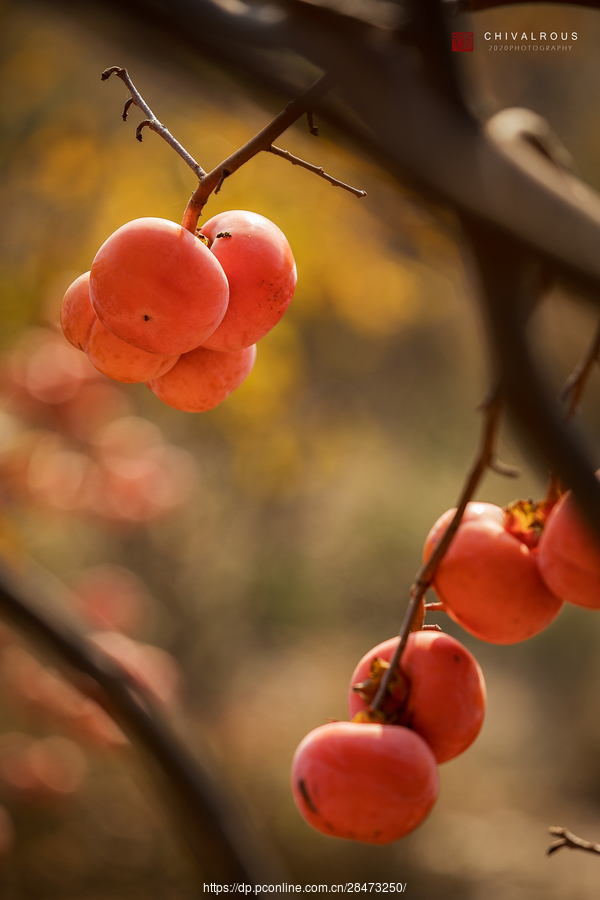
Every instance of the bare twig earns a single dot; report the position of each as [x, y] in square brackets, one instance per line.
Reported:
[318, 170]
[151, 120]
[571, 395]
[485, 457]
[577, 380]
[567, 839]
[261, 141]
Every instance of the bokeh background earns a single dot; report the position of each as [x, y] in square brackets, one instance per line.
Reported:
[264, 546]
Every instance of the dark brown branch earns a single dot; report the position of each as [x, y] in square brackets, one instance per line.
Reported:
[317, 170]
[577, 380]
[567, 839]
[151, 120]
[311, 124]
[261, 141]
[571, 394]
[506, 292]
[222, 842]
[485, 457]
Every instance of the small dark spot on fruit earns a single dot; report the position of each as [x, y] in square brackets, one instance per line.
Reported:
[224, 234]
[456, 658]
[146, 318]
[306, 796]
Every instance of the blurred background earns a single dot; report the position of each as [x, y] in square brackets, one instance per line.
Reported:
[241, 561]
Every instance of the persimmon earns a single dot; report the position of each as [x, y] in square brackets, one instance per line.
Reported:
[122, 361]
[77, 314]
[158, 287]
[442, 691]
[202, 378]
[569, 555]
[489, 580]
[365, 782]
[258, 262]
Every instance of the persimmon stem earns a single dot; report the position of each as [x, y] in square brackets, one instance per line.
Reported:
[151, 121]
[571, 395]
[261, 141]
[567, 839]
[485, 458]
[317, 170]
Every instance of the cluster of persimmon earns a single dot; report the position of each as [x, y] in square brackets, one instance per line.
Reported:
[178, 311]
[69, 441]
[375, 778]
[504, 578]
[507, 572]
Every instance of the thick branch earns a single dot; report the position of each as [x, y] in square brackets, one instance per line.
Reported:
[223, 845]
[261, 141]
[503, 265]
[318, 170]
[567, 839]
[484, 460]
[151, 121]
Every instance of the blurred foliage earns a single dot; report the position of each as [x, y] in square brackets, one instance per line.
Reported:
[318, 479]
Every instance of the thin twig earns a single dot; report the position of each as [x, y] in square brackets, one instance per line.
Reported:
[261, 141]
[567, 839]
[318, 170]
[485, 457]
[151, 120]
[571, 395]
[313, 129]
[577, 380]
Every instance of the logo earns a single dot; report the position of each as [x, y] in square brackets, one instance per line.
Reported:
[462, 41]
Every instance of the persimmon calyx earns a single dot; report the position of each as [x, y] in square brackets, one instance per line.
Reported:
[396, 695]
[525, 520]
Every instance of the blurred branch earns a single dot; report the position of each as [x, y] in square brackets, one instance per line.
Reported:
[151, 121]
[567, 839]
[576, 382]
[505, 270]
[224, 845]
[571, 395]
[476, 5]
[492, 409]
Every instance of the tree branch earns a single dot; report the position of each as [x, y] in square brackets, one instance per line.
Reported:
[223, 844]
[492, 409]
[261, 141]
[318, 170]
[567, 839]
[151, 121]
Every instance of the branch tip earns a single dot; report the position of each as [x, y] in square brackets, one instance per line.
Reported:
[128, 103]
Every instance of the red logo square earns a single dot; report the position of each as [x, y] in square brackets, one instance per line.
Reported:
[462, 41]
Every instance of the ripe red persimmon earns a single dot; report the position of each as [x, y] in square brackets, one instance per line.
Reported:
[569, 555]
[77, 314]
[158, 287]
[445, 699]
[258, 262]
[122, 361]
[488, 580]
[371, 783]
[202, 378]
